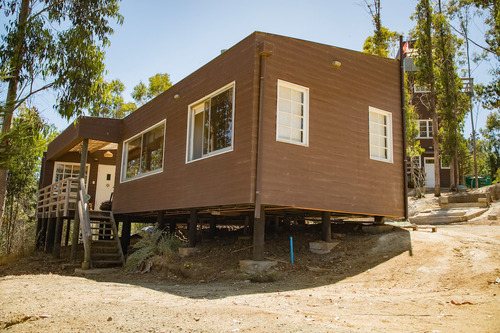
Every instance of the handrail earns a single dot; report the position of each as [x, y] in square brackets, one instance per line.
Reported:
[83, 211]
[56, 199]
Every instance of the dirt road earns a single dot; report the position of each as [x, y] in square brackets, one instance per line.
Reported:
[401, 281]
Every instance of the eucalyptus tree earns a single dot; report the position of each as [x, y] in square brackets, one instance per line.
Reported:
[158, 83]
[111, 104]
[424, 60]
[380, 43]
[55, 45]
[451, 102]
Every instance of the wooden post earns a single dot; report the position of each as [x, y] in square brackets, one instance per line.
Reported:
[160, 220]
[39, 226]
[68, 227]
[213, 227]
[40, 234]
[56, 252]
[172, 225]
[49, 238]
[126, 227]
[276, 224]
[326, 226]
[193, 219]
[259, 234]
[76, 226]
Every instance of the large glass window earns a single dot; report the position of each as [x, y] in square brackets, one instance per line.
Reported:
[380, 135]
[143, 154]
[292, 114]
[211, 124]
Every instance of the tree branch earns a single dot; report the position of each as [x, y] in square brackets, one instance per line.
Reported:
[45, 9]
[470, 40]
[31, 93]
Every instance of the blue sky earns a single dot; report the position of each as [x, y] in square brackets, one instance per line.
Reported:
[178, 37]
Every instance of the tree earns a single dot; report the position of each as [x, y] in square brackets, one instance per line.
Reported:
[158, 83]
[111, 104]
[451, 102]
[491, 135]
[413, 148]
[380, 43]
[56, 45]
[425, 76]
[29, 136]
[490, 93]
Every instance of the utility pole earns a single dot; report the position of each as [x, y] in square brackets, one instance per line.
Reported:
[465, 29]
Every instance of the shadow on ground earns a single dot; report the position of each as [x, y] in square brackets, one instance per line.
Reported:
[213, 272]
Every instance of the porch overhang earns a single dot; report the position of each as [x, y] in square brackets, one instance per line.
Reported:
[99, 131]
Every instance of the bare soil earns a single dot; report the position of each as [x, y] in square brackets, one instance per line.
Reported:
[399, 281]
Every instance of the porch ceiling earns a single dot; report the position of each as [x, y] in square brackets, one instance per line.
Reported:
[99, 131]
[94, 145]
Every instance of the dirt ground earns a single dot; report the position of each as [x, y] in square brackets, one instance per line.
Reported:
[399, 281]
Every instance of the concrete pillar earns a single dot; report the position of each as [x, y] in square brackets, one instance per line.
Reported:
[326, 226]
[259, 234]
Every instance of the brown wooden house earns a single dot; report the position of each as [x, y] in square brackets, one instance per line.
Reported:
[273, 127]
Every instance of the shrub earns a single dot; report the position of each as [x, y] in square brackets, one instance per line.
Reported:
[152, 244]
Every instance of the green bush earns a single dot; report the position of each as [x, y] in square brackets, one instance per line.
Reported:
[150, 245]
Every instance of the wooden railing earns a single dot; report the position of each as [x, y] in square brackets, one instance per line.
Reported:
[58, 198]
[83, 213]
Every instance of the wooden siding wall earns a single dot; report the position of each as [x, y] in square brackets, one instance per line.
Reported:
[218, 180]
[335, 172]
[93, 159]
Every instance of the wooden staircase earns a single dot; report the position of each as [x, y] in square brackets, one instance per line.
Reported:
[106, 249]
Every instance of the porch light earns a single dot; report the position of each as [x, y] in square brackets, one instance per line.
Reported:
[108, 154]
[336, 64]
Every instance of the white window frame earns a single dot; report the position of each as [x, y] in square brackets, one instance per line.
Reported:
[444, 167]
[421, 89]
[389, 147]
[190, 125]
[305, 129]
[123, 173]
[87, 169]
[429, 133]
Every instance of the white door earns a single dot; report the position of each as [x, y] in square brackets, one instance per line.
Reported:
[105, 183]
[429, 171]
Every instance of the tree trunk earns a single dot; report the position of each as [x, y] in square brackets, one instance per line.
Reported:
[16, 65]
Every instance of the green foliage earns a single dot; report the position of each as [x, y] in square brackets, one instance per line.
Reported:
[380, 43]
[29, 138]
[158, 83]
[489, 94]
[59, 43]
[111, 103]
[452, 104]
[413, 148]
[491, 135]
[150, 245]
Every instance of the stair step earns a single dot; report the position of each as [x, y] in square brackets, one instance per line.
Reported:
[104, 256]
